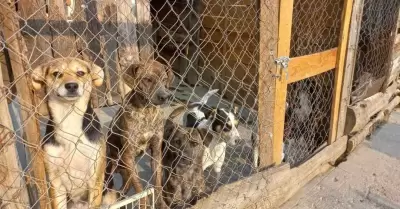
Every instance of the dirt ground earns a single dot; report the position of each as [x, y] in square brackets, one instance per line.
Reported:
[369, 179]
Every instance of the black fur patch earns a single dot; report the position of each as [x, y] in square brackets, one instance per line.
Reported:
[49, 135]
[91, 124]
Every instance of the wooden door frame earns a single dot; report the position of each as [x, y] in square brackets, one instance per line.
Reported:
[301, 68]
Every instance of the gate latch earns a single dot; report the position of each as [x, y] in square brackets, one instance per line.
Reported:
[284, 63]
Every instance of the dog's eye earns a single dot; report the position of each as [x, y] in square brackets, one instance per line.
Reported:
[148, 80]
[57, 74]
[80, 73]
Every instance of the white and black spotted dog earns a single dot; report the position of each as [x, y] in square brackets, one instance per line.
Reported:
[219, 121]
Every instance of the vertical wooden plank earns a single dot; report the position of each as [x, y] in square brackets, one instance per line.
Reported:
[194, 49]
[128, 51]
[351, 57]
[285, 31]
[107, 14]
[12, 186]
[145, 30]
[37, 35]
[86, 27]
[63, 38]
[31, 127]
[340, 66]
[269, 14]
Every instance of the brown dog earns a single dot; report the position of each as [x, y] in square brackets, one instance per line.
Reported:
[139, 125]
[183, 151]
[74, 146]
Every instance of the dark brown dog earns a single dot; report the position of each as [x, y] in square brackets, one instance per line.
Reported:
[138, 126]
[183, 151]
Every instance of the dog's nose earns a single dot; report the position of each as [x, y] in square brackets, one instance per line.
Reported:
[164, 97]
[71, 87]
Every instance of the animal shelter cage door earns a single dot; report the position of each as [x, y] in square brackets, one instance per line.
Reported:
[316, 46]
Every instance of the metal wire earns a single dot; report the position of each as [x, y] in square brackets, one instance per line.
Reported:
[375, 47]
[209, 45]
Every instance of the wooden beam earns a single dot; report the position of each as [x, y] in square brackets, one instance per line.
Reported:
[13, 191]
[145, 30]
[271, 188]
[369, 128]
[284, 34]
[37, 40]
[128, 50]
[340, 66]
[269, 11]
[352, 46]
[360, 114]
[14, 41]
[311, 65]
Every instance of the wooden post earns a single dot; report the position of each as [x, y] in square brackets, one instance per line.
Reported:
[340, 66]
[192, 75]
[145, 30]
[269, 11]
[63, 38]
[285, 31]
[31, 129]
[351, 57]
[37, 37]
[128, 51]
[12, 186]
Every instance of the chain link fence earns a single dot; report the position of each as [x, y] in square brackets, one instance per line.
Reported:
[375, 46]
[156, 56]
[307, 119]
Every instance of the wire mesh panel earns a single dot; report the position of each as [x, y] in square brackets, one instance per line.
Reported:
[315, 27]
[374, 47]
[307, 120]
[98, 84]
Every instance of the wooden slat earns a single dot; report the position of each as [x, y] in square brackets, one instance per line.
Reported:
[12, 187]
[352, 46]
[229, 10]
[269, 11]
[285, 28]
[340, 66]
[311, 65]
[145, 30]
[235, 24]
[11, 34]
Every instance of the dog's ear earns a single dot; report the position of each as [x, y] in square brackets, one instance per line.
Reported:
[96, 72]
[38, 76]
[129, 76]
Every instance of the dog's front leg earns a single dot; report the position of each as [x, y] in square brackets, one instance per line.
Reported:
[130, 175]
[97, 182]
[58, 193]
[157, 169]
[219, 153]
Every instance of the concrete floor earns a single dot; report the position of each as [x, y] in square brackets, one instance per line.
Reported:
[369, 179]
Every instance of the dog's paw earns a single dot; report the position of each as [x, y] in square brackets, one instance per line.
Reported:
[110, 198]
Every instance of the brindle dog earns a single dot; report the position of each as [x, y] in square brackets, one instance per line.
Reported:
[183, 152]
[138, 126]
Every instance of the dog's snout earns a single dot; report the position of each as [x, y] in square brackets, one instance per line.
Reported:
[71, 87]
[164, 96]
